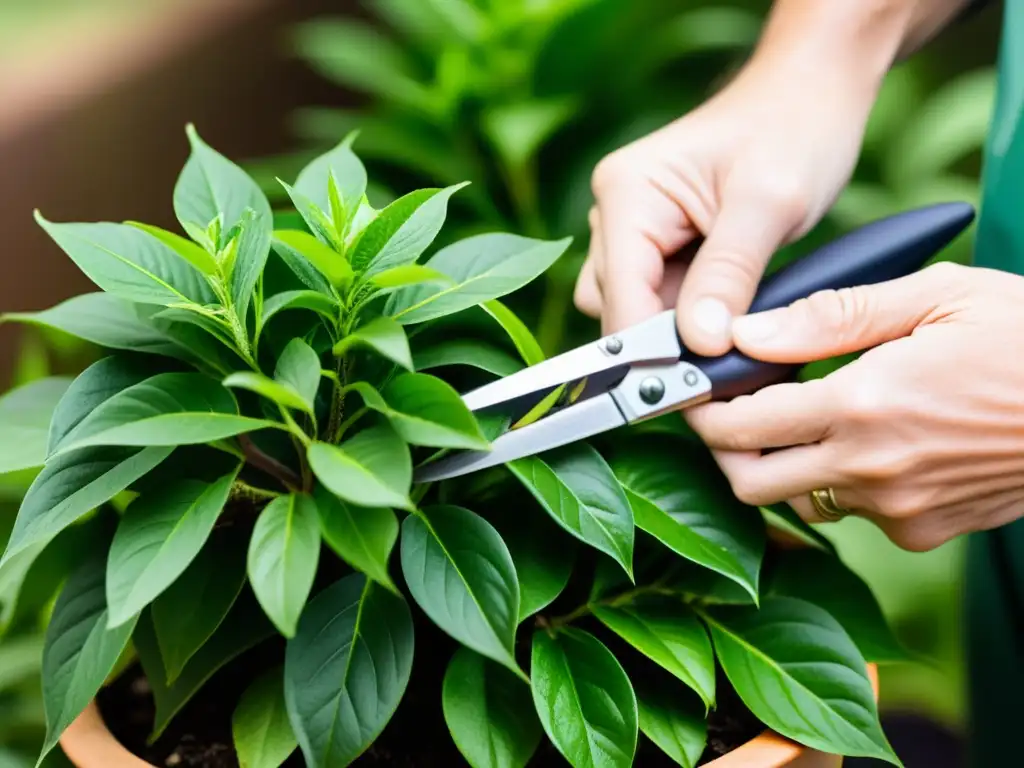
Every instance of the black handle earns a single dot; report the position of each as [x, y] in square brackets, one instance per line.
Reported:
[880, 251]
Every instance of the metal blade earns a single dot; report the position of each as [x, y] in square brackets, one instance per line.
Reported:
[597, 415]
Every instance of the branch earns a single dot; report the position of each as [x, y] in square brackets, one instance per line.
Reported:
[268, 464]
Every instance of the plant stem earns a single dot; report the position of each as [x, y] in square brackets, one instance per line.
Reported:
[345, 425]
[242, 490]
[269, 464]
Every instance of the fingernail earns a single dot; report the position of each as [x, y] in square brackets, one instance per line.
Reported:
[757, 327]
[712, 317]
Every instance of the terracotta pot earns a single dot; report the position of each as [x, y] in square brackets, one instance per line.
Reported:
[88, 744]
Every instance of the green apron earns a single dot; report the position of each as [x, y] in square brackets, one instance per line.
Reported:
[995, 565]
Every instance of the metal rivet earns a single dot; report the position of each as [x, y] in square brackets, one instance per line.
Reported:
[690, 379]
[613, 345]
[652, 390]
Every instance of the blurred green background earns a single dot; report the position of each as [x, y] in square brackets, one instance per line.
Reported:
[521, 97]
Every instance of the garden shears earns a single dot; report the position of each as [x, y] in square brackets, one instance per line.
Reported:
[645, 371]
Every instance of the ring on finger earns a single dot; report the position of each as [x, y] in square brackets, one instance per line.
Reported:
[824, 501]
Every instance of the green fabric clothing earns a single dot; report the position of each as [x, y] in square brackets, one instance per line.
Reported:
[995, 562]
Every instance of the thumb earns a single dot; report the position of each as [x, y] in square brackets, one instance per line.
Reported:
[838, 322]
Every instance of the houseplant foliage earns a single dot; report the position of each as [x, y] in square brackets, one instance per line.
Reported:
[237, 469]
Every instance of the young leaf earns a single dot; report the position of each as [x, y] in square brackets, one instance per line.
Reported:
[167, 409]
[679, 497]
[342, 167]
[346, 669]
[198, 257]
[301, 266]
[278, 392]
[460, 573]
[260, 729]
[129, 263]
[25, 415]
[575, 486]
[799, 673]
[489, 712]
[482, 268]
[188, 612]
[384, 336]
[525, 343]
[283, 555]
[427, 411]
[244, 627]
[299, 367]
[72, 485]
[361, 536]
[314, 301]
[252, 248]
[676, 723]
[401, 232]
[477, 354]
[210, 186]
[408, 274]
[79, 651]
[668, 633]
[327, 261]
[373, 469]
[585, 701]
[157, 538]
[824, 580]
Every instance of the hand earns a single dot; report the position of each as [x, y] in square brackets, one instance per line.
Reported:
[923, 434]
[751, 169]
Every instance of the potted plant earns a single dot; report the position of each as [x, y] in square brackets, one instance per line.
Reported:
[262, 584]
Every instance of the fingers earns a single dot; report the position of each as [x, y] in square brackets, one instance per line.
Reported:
[721, 282]
[766, 479]
[832, 323]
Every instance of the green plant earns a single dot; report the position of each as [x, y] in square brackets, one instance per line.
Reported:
[236, 475]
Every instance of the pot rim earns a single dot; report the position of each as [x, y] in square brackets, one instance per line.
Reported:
[88, 743]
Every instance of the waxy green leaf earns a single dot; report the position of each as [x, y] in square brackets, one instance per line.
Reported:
[25, 415]
[676, 723]
[784, 517]
[408, 274]
[361, 536]
[799, 673]
[283, 555]
[299, 368]
[476, 354]
[197, 256]
[575, 486]
[342, 168]
[482, 268]
[301, 266]
[427, 411]
[383, 335]
[157, 538]
[314, 301]
[460, 573]
[276, 391]
[524, 341]
[251, 250]
[585, 701]
[327, 261]
[346, 669]
[489, 712]
[260, 729]
[373, 469]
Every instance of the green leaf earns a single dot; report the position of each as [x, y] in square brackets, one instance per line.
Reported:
[372, 469]
[407, 274]
[314, 301]
[300, 265]
[476, 354]
[675, 723]
[299, 368]
[361, 536]
[527, 346]
[278, 392]
[384, 336]
[401, 232]
[346, 669]
[190, 610]
[210, 187]
[327, 261]
[824, 580]
[167, 409]
[25, 415]
[518, 130]
[460, 573]
[785, 518]
[79, 650]
[198, 257]
[342, 166]
[252, 248]
[129, 263]
[799, 673]
[668, 633]
[585, 701]
[482, 268]
[283, 555]
[575, 486]
[244, 627]
[157, 538]
[427, 411]
[681, 498]
[260, 729]
[72, 485]
[489, 712]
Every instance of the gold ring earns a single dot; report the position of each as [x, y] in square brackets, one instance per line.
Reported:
[824, 501]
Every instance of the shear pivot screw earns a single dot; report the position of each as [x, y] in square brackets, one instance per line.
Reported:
[613, 345]
[652, 390]
[690, 379]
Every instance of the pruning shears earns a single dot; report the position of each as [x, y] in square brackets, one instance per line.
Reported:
[645, 371]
